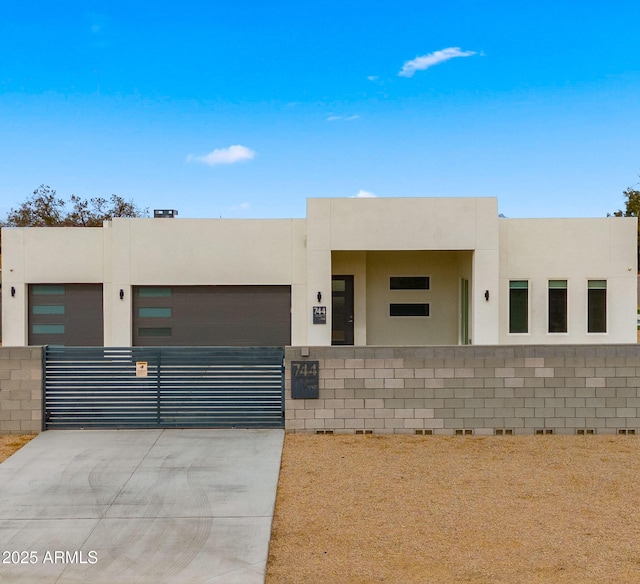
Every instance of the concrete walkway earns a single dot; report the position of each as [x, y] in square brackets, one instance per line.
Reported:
[139, 506]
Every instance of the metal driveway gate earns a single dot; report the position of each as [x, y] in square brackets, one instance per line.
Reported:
[164, 387]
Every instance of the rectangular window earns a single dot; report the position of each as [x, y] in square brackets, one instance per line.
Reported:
[557, 306]
[154, 331]
[47, 329]
[154, 292]
[518, 306]
[47, 309]
[338, 285]
[408, 310]
[152, 312]
[409, 283]
[45, 289]
[597, 306]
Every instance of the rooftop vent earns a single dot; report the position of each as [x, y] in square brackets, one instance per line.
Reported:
[164, 213]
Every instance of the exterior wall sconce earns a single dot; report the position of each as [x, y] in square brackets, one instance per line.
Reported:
[319, 296]
[486, 295]
[121, 294]
[13, 291]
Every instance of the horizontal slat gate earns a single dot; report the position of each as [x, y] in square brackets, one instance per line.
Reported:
[185, 387]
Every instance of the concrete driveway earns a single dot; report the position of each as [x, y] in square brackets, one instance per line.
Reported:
[139, 506]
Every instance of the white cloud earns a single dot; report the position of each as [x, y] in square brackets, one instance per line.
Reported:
[363, 195]
[426, 61]
[98, 27]
[372, 78]
[342, 118]
[229, 155]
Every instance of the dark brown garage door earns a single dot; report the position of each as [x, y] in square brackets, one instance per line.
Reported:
[66, 314]
[212, 315]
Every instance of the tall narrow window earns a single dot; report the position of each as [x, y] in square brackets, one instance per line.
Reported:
[518, 306]
[597, 306]
[557, 306]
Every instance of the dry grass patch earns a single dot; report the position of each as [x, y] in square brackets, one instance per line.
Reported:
[11, 442]
[361, 509]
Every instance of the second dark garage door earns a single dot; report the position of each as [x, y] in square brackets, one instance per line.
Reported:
[212, 315]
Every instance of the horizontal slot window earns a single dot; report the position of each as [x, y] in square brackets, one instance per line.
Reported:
[338, 285]
[47, 289]
[409, 283]
[153, 312]
[47, 309]
[154, 292]
[518, 284]
[557, 284]
[597, 285]
[154, 331]
[409, 309]
[47, 329]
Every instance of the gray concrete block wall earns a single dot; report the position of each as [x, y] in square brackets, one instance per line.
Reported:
[441, 390]
[20, 390]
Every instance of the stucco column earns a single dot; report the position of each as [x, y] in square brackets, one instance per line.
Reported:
[15, 317]
[484, 313]
[318, 268]
[117, 310]
[319, 280]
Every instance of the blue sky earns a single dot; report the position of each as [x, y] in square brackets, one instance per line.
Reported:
[245, 109]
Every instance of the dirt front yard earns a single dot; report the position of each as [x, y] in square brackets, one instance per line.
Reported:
[9, 443]
[405, 509]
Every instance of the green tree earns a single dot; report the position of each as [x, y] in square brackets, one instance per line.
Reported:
[631, 204]
[45, 209]
[42, 209]
[631, 209]
[92, 212]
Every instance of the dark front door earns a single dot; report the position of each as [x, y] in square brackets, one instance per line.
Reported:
[342, 310]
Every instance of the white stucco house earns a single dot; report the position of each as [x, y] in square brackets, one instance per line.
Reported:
[383, 272]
